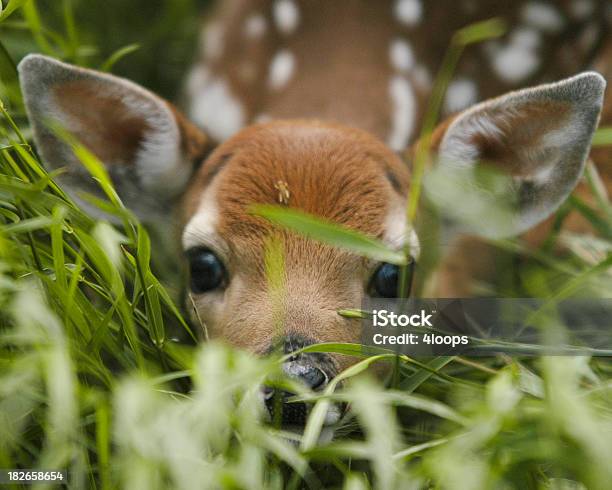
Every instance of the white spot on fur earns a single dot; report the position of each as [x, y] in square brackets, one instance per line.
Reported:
[404, 109]
[196, 79]
[255, 26]
[525, 37]
[408, 12]
[212, 41]
[542, 16]
[401, 55]
[282, 67]
[514, 64]
[215, 108]
[581, 9]
[518, 59]
[286, 15]
[262, 118]
[461, 93]
[202, 227]
[397, 232]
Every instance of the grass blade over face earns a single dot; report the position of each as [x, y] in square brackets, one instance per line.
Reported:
[330, 233]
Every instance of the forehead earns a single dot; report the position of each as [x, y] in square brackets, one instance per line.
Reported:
[341, 174]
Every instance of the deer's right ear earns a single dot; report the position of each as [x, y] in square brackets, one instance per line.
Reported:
[148, 147]
[511, 161]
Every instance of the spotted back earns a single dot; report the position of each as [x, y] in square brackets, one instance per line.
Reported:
[370, 64]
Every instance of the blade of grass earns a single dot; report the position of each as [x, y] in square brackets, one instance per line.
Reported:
[415, 380]
[461, 39]
[151, 298]
[118, 55]
[72, 41]
[328, 232]
[10, 8]
[57, 245]
[30, 13]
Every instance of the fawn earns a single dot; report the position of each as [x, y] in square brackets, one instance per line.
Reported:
[316, 104]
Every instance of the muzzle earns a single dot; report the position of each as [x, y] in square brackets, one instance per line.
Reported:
[314, 370]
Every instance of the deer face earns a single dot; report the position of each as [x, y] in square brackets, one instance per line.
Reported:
[338, 173]
[539, 137]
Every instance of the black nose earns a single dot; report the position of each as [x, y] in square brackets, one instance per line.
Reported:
[312, 376]
[290, 413]
[314, 370]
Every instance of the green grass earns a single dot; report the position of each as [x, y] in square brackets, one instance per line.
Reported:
[94, 380]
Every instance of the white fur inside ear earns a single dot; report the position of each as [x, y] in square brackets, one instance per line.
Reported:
[541, 137]
[458, 149]
[160, 163]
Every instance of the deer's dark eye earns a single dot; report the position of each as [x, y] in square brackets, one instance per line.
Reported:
[385, 281]
[206, 271]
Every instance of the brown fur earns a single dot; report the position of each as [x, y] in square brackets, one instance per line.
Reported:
[112, 120]
[335, 172]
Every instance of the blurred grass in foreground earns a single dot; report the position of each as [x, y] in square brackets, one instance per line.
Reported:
[91, 379]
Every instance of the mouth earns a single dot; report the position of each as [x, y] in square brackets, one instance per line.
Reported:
[287, 413]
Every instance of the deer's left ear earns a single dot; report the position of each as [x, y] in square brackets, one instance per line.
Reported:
[538, 137]
[147, 146]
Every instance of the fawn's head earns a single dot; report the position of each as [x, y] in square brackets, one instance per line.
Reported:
[163, 166]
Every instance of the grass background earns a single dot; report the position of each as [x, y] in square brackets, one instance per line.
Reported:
[92, 379]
